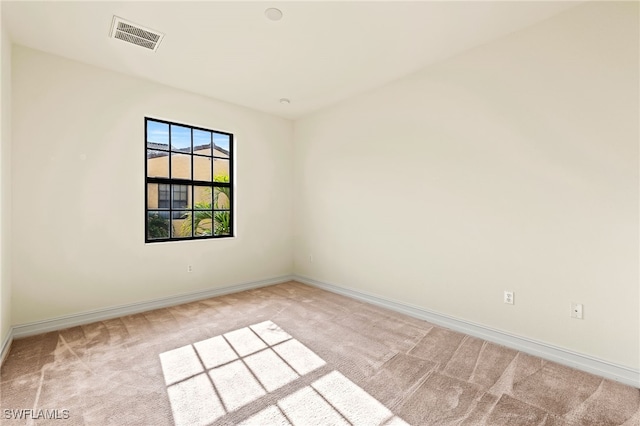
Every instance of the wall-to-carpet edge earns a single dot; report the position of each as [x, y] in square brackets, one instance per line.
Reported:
[37, 327]
[563, 356]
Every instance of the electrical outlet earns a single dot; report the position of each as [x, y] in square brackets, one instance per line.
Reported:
[576, 310]
[189, 268]
[508, 297]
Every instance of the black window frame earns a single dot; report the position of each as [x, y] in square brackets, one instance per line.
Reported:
[179, 183]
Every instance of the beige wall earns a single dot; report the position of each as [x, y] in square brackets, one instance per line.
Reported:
[181, 168]
[513, 166]
[181, 165]
[5, 188]
[78, 153]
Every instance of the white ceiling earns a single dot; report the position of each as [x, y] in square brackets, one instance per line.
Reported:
[318, 54]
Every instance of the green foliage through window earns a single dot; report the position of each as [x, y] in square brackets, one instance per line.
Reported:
[158, 226]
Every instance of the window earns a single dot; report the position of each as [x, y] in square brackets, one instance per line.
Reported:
[189, 187]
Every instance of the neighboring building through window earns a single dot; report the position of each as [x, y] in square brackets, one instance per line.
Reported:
[180, 197]
[163, 196]
[189, 187]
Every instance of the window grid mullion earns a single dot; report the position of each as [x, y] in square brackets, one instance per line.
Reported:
[231, 212]
[213, 178]
[193, 175]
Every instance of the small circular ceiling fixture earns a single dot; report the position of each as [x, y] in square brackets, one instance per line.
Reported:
[273, 14]
[285, 101]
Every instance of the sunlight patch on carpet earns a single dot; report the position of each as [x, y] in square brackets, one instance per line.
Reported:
[180, 364]
[214, 377]
[331, 400]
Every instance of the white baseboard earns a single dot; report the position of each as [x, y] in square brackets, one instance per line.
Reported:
[67, 321]
[563, 356]
[566, 357]
[6, 345]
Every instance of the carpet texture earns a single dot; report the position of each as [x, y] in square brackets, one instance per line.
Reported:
[293, 354]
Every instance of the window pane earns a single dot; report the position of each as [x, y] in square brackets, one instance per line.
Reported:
[181, 224]
[202, 196]
[220, 170]
[180, 214]
[221, 223]
[181, 166]
[180, 138]
[157, 163]
[164, 196]
[157, 196]
[181, 196]
[157, 135]
[201, 142]
[221, 198]
[202, 168]
[220, 145]
[157, 225]
[203, 225]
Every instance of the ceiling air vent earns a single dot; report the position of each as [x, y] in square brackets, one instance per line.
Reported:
[135, 34]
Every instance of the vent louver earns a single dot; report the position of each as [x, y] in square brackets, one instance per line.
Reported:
[135, 34]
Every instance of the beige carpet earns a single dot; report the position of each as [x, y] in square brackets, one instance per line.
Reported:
[293, 354]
